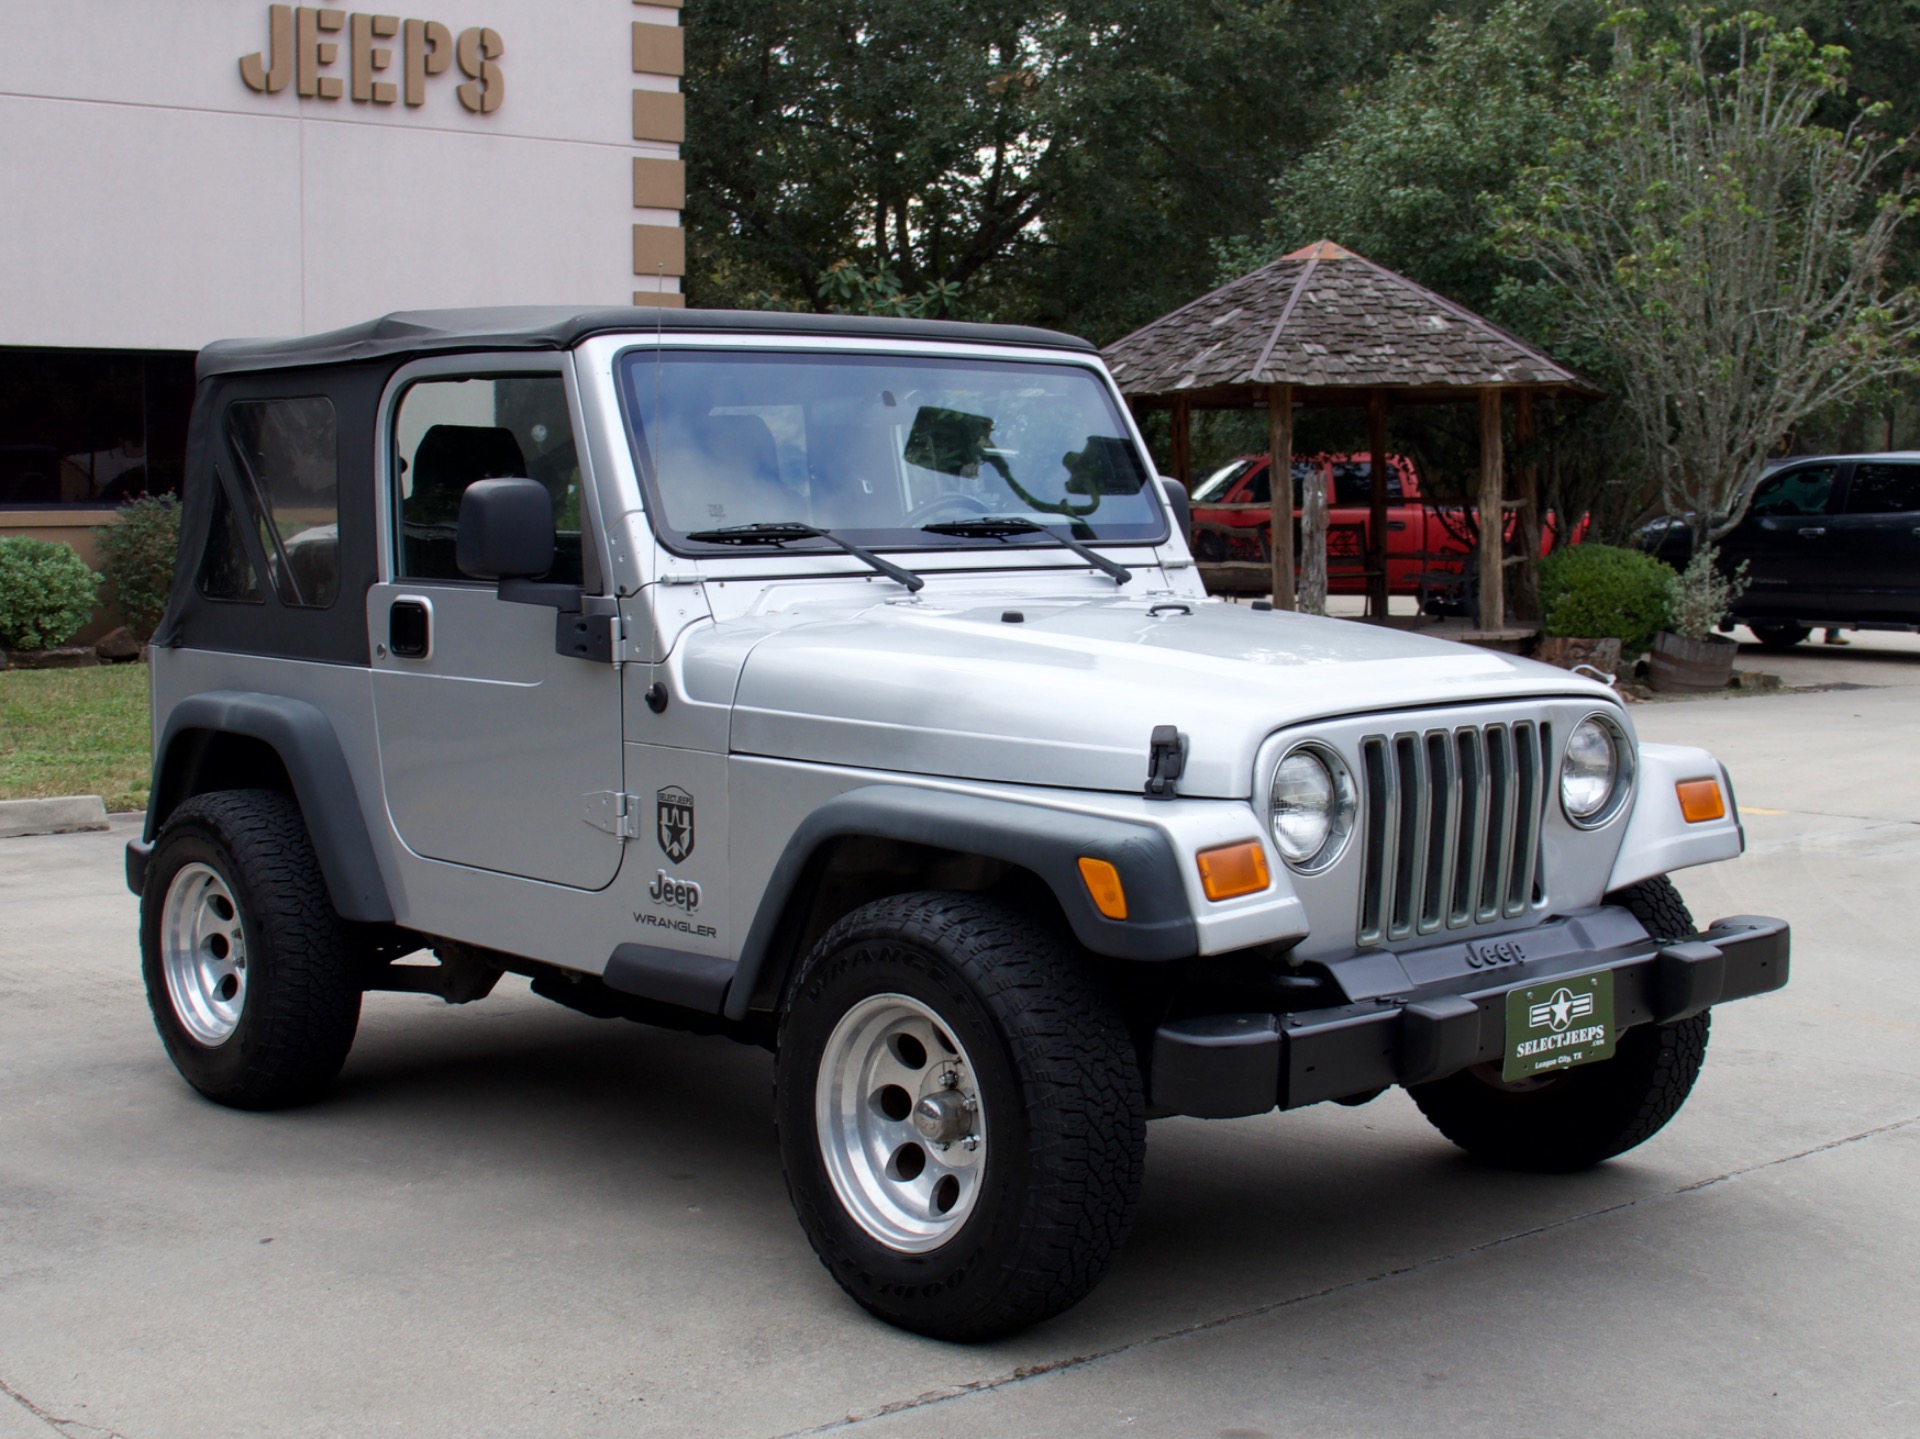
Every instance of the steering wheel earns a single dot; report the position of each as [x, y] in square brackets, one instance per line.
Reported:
[965, 506]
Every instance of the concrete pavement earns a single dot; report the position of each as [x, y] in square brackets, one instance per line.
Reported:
[511, 1219]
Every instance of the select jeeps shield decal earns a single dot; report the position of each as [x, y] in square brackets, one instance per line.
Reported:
[674, 822]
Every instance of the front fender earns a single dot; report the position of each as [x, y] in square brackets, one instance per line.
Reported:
[1658, 839]
[1159, 923]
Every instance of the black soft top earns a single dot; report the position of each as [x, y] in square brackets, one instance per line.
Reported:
[558, 327]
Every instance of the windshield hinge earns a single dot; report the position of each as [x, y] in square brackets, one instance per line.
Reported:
[613, 811]
[1166, 760]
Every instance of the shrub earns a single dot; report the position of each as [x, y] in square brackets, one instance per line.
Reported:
[46, 594]
[137, 555]
[1600, 592]
[1703, 595]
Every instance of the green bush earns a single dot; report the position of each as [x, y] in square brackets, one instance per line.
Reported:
[46, 594]
[1600, 592]
[137, 556]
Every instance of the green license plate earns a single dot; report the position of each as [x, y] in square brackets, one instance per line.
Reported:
[1559, 1023]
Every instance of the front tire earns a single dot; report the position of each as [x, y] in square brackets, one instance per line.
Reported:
[1577, 1119]
[961, 1115]
[250, 974]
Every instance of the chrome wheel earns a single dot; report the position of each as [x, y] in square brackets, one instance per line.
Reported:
[203, 954]
[902, 1131]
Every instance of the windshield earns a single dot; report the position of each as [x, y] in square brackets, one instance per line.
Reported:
[874, 448]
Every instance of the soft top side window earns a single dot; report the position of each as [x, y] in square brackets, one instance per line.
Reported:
[287, 454]
[226, 571]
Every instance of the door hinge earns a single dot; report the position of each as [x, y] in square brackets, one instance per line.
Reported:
[615, 812]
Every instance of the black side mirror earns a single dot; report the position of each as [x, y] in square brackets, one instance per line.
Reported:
[506, 530]
[1181, 504]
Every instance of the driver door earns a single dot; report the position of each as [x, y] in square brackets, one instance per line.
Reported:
[491, 742]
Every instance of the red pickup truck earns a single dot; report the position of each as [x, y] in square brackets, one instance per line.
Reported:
[1420, 538]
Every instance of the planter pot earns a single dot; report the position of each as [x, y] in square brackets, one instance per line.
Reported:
[1566, 652]
[1684, 666]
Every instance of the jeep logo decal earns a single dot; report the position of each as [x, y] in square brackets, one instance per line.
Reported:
[674, 823]
[674, 893]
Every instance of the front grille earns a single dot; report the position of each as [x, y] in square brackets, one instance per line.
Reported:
[1451, 827]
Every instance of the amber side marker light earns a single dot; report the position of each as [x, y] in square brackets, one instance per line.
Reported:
[1233, 870]
[1700, 800]
[1103, 884]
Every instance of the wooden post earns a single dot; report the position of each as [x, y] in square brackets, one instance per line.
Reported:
[1280, 492]
[1526, 590]
[1493, 598]
[1313, 543]
[1183, 440]
[1377, 513]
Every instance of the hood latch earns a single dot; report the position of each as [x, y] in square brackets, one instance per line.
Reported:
[1166, 760]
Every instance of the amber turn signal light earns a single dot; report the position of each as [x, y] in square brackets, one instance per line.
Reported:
[1103, 885]
[1700, 800]
[1233, 870]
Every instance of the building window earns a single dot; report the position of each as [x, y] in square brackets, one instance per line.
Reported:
[91, 429]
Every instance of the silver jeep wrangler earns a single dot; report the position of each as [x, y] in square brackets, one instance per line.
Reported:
[846, 686]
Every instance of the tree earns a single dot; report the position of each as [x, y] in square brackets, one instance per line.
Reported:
[1068, 164]
[1727, 247]
[1415, 171]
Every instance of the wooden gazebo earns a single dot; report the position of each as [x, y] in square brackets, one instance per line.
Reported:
[1323, 326]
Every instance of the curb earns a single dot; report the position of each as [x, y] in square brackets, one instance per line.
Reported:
[51, 816]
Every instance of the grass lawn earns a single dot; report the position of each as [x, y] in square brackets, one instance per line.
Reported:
[75, 732]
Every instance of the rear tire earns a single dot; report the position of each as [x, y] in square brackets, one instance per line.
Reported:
[1779, 637]
[252, 978]
[961, 1115]
[1577, 1119]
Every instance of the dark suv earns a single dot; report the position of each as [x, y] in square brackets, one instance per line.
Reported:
[1829, 541]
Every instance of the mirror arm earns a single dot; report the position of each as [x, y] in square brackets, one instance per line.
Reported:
[565, 598]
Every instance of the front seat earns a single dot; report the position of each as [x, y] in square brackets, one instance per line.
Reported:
[447, 460]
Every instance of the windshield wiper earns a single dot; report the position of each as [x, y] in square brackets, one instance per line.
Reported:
[779, 534]
[998, 527]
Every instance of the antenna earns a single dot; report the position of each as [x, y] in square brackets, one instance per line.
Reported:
[659, 339]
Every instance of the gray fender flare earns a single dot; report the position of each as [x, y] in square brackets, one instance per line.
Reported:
[302, 736]
[1049, 842]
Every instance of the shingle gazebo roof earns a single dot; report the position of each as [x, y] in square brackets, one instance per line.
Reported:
[1326, 320]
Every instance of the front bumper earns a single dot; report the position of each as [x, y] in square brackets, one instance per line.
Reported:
[1418, 1017]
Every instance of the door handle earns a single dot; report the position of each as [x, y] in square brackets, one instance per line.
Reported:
[410, 628]
[1813, 532]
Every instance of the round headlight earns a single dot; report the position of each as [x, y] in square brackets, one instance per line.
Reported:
[1590, 773]
[1313, 808]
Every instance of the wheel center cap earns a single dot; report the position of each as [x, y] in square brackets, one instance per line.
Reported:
[942, 1117]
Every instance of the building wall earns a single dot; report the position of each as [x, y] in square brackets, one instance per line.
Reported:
[154, 201]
